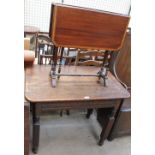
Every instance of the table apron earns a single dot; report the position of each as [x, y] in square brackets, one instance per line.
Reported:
[78, 104]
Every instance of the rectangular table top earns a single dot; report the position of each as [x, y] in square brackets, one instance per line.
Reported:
[38, 86]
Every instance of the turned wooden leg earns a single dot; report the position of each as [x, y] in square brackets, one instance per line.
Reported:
[60, 63]
[54, 63]
[89, 112]
[36, 129]
[103, 71]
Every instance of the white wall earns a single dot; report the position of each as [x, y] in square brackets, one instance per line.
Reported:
[37, 12]
[117, 6]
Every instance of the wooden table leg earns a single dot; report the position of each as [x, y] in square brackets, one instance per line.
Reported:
[36, 129]
[109, 123]
[60, 63]
[54, 63]
[110, 136]
[26, 128]
[107, 128]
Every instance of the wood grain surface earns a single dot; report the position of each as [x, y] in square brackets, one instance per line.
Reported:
[87, 28]
[39, 88]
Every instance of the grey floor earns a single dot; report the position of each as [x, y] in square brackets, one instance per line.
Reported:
[75, 135]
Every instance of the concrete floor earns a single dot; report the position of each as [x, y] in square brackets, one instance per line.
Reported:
[75, 135]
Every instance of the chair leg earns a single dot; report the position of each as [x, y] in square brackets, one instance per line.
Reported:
[89, 112]
[68, 112]
[41, 60]
[45, 61]
[61, 113]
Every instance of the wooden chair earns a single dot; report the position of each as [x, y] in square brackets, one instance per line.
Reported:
[44, 49]
[89, 58]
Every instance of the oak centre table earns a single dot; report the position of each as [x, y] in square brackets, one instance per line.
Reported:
[72, 93]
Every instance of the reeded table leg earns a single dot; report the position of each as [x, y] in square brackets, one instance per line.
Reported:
[36, 129]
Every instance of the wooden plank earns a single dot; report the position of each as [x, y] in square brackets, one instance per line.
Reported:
[86, 28]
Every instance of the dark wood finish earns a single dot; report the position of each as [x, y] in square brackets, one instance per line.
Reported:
[109, 123]
[36, 129]
[71, 93]
[26, 128]
[60, 63]
[38, 85]
[87, 28]
[54, 64]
